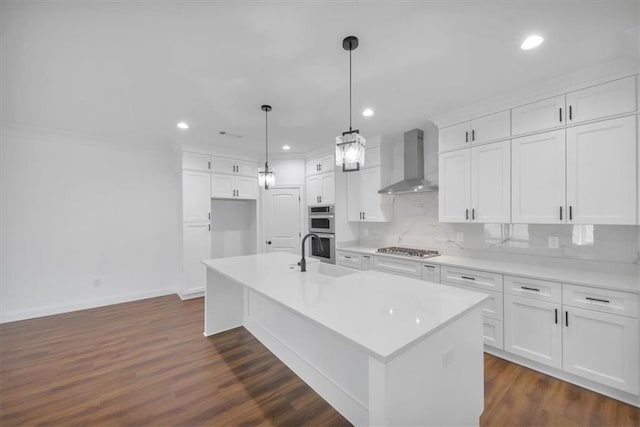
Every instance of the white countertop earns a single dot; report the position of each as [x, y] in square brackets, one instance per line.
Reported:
[598, 274]
[381, 312]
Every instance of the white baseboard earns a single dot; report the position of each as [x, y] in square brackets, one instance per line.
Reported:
[13, 316]
[191, 294]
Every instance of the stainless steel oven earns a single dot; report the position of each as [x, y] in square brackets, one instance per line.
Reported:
[325, 252]
[321, 219]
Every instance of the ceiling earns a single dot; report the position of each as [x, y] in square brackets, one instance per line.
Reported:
[127, 72]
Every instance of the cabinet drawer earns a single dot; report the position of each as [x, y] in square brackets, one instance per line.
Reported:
[474, 278]
[396, 266]
[349, 259]
[622, 303]
[533, 288]
[431, 273]
[492, 333]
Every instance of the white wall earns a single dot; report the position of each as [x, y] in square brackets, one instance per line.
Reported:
[288, 171]
[72, 211]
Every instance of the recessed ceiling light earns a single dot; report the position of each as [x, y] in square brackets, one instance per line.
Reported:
[531, 42]
[368, 112]
[286, 147]
[183, 125]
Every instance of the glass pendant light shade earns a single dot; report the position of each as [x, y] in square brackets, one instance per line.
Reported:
[350, 150]
[350, 146]
[266, 177]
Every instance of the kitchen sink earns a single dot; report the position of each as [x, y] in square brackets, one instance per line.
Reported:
[329, 269]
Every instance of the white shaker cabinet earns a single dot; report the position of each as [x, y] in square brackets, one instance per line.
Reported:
[321, 189]
[541, 115]
[320, 165]
[608, 99]
[475, 184]
[196, 246]
[455, 186]
[226, 186]
[538, 179]
[488, 128]
[231, 166]
[431, 273]
[196, 161]
[196, 196]
[602, 347]
[601, 172]
[363, 201]
[491, 183]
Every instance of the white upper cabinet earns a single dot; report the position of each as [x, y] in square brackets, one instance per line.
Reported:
[537, 116]
[321, 189]
[616, 97]
[475, 184]
[225, 186]
[233, 166]
[538, 179]
[477, 131]
[455, 186]
[601, 172]
[320, 165]
[196, 196]
[454, 137]
[490, 183]
[196, 161]
[363, 201]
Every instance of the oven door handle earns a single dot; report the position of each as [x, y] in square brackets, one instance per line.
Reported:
[320, 216]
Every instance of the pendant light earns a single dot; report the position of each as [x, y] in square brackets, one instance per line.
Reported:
[267, 177]
[350, 146]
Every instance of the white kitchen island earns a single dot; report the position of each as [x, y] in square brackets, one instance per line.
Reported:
[381, 349]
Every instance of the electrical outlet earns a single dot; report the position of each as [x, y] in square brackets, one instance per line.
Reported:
[96, 281]
[459, 236]
[554, 242]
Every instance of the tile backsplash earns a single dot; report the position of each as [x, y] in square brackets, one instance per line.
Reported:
[415, 223]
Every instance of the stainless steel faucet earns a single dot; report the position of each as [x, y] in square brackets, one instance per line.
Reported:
[303, 262]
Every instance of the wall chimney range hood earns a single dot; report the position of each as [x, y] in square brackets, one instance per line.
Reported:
[413, 181]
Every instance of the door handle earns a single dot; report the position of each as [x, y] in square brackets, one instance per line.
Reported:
[473, 214]
[560, 213]
[560, 114]
[473, 134]
[570, 213]
[556, 316]
[570, 113]
[566, 318]
[466, 214]
[466, 136]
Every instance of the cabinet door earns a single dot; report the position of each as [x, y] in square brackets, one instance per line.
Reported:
[246, 168]
[196, 247]
[538, 179]
[327, 164]
[455, 186]
[431, 273]
[533, 329]
[376, 207]
[314, 190]
[328, 188]
[541, 115]
[492, 332]
[603, 100]
[222, 165]
[222, 186]
[491, 183]
[196, 161]
[354, 197]
[196, 196]
[491, 127]
[313, 167]
[602, 347]
[601, 172]
[454, 137]
[246, 187]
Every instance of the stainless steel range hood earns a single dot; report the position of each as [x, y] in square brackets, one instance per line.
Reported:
[413, 181]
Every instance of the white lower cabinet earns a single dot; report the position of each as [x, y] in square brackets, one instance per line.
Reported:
[431, 273]
[533, 329]
[349, 259]
[492, 332]
[196, 247]
[411, 269]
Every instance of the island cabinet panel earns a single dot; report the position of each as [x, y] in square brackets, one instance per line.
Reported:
[533, 329]
[601, 166]
[608, 99]
[538, 179]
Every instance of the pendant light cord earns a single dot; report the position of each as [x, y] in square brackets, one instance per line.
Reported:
[266, 141]
[350, 51]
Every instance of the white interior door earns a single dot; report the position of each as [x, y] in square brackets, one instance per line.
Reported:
[282, 228]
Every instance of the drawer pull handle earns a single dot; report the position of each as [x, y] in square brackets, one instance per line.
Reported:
[556, 316]
[467, 278]
[347, 257]
[530, 289]
[429, 266]
[597, 299]
[566, 318]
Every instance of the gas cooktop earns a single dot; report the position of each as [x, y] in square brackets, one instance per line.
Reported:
[409, 252]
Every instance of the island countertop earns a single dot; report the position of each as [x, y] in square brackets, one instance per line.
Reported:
[382, 313]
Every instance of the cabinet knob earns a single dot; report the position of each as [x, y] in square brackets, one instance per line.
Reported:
[268, 242]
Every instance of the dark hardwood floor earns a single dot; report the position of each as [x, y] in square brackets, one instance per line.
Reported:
[147, 363]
